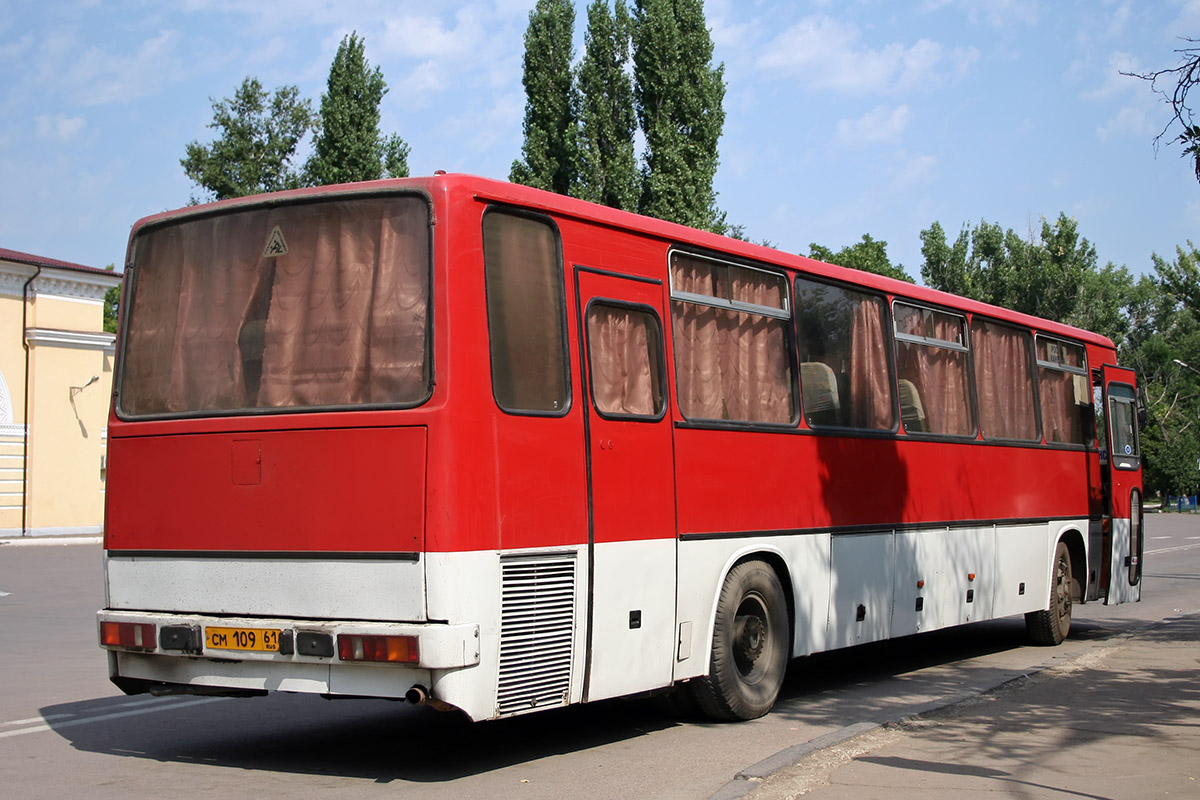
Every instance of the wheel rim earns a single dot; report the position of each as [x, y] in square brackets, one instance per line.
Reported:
[1062, 590]
[751, 638]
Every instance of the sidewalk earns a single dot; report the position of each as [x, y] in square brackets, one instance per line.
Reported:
[1120, 721]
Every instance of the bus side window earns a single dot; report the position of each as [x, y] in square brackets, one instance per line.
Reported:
[526, 313]
[1004, 381]
[845, 373]
[931, 355]
[1065, 395]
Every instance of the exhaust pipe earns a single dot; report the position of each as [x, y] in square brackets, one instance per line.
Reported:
[417, 695]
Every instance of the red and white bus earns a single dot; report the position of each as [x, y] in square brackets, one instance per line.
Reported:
[463, 442]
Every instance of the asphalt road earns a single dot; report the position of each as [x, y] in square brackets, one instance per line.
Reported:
[66, 731]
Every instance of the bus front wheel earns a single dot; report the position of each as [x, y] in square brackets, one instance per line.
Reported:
[749, 647]
[1051, 626]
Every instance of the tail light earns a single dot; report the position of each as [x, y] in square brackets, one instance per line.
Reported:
[128, 635]
[397, 649]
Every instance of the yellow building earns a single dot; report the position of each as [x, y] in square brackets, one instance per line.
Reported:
[55, 383]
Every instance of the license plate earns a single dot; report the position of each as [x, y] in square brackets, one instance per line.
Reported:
[261, 639]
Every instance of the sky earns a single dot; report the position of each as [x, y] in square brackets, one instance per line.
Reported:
[842, 118]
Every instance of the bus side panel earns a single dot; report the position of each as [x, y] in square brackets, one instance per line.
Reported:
[805, 482]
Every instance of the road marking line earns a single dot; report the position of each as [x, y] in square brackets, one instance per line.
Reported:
[37, 719]
[1173, 549]
[105, 717]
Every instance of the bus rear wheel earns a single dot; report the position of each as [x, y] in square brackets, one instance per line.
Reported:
[749, 647]
[1051, 626]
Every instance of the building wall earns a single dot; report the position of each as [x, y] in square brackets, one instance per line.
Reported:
[64, 482]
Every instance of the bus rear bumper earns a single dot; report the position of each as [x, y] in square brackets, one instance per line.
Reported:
[196, 654]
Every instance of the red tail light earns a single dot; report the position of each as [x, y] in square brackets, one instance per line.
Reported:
[399, 649]
[129, 635]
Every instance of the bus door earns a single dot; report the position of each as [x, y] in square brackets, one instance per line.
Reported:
[1124, 477]
[631, 514]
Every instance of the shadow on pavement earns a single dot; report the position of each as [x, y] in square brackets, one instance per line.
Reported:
[385, 741]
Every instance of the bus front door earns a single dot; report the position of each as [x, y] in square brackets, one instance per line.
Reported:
[1125, 481]
[631, 514]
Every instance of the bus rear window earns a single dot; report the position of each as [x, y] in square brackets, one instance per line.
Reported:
[288, 307]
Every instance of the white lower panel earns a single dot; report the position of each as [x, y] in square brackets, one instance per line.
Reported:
[633, 617]
[291, 587]
[860, 601]
[1023, 556]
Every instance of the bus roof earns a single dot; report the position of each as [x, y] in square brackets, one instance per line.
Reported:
[487, 189]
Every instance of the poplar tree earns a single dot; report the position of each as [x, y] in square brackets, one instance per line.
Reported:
[548, 154]
[679, 97]
[348, 146]
[607, 167]
[258, 138]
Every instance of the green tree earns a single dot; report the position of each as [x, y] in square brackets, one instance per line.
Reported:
[869, 255]
[679, 106]
[1040, 275]
[112, 304]
[607, 167]
[549, 152]
[258, 137]
[348, 146]
[1181, 278]
[1161, 334]
[1102, 304]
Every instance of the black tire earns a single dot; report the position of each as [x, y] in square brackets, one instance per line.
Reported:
[1051, 626]
[750, 646]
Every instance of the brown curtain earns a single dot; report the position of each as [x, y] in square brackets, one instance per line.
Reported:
[1003, 382]
[697, 343]
[340, 318]
[754, 354]
[622, 353]
[730, 364]
[347, 313]
[870, 386]
[1062, 412]
[938, 373]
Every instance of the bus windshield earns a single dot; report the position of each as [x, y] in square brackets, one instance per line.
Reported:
[285, 307]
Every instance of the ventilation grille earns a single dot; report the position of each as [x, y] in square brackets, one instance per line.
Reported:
[537, 625]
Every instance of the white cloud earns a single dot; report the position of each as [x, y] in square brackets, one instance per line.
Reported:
[427, 37]
[98, 76]
[881, 124]
[1139, 111]
[828, 54]
[913, 170]
[59, 127]
[996, 13]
